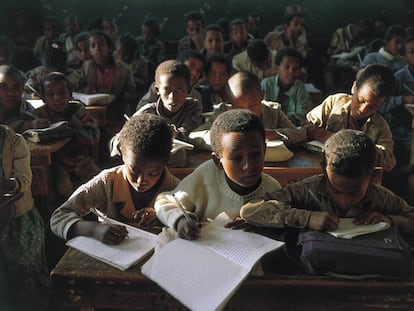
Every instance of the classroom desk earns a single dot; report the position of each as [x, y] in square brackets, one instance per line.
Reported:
[40, 161]
[82, 281]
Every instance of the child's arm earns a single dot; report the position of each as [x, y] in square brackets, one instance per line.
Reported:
[192, 118]
[384, 145]
[106, 233]
[87, 132]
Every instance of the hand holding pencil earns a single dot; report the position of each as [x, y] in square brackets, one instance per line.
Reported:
[188, 226]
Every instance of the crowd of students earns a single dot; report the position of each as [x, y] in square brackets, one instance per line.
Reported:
[253, 87]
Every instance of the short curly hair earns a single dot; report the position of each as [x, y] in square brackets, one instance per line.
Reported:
[234, 120]
[148, 136]
[380, 79]
[174, 68]
[350, 153]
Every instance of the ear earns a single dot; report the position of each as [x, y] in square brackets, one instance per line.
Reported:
[156, 89]
[353, 88]
[216, 159]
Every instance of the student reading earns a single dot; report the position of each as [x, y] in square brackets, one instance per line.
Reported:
[126, 192]
[223, 184]
[345, 189]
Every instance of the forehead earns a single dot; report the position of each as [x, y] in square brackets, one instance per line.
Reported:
[194, 23]
[9, 78]
[234, 141]
[54, 84]
[170, 78]
[238, 27]
[193, 61]
[346, 185]
[136, 161]
[213, 34]
[215, 66]
[97, 39]
[290, 60]
[296, 20]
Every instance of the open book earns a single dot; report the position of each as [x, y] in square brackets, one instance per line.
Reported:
[276, 151]
[133, 249]
[93, 99]
[57, 130]
[347, 229]
[179, 144]
[315, 146]
[203, 274]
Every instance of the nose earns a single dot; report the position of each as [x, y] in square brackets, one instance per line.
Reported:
[140, 180]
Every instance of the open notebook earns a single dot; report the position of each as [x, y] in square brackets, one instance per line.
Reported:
[347, 229]
[133, 249]
[204, 274]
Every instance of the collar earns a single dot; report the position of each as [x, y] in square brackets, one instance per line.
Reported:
[386, 54]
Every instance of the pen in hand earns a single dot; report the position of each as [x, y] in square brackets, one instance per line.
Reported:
[316, 199]
[186, 215]
[104, 218]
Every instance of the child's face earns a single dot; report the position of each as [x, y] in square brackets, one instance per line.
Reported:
[147, 34]
[56, 95]
[196, 68]
[218, 76]
[82, 51]
[142, 173]
[110, 27]
[51, 30]
[194, 29]
[409, 53]
[98, 49]
[251, 100]
[289, 71]
[213, 42]
[173, 91]
[11, 90]
[238, 34]
[364, 102]
[296, 25]
[394, 45]
[242, 157]
[253, 24]
[346, 192]
[72, 26]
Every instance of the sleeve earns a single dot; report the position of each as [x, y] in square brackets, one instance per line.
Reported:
[392, 102]
[318, 116]
[385, 147]
[192, 117]
[21, 163]
[295, 135]
[87, 132]
[302, 105]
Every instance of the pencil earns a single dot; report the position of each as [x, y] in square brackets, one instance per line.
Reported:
[102, 216]
[408, 89]
[31, 88]
[284, 137]
[318, 202]
[185, 212]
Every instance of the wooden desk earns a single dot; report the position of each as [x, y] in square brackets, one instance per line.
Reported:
[84, 282]
[99, 113]
[40, 161]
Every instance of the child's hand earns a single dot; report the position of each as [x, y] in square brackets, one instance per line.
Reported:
[146, 217]
[238, 223]
[372, 218]
[187, 231]
[109, 234]
[321, 221]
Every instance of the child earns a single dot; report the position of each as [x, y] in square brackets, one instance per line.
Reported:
[238, 38]
[72, 164]
[223, 184]
[213, 41]
[51, 30]
[215, 90]
[24, 274]
[389, 54]
[127, 51]
[67, 39]
[344, 190]
[126, 192]
[172, 81]
[285, 87]
[82, 53]
[194, 22]
[148, 44]
[110, 27]
[254, 26]
[257, 59]
[245, 88]
[103, 74]
[358, 111]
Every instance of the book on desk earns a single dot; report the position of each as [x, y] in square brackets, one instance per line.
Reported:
[97, 99]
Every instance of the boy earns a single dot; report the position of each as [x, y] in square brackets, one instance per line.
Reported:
[254, 26]
[238, 38]
[213, 41]
[344, 190]
[81, 51]
[389, 54]
[148, 44]
[194, 26]
[51, 30]
[245, 88]
[224, 183]
[72, 27]
[72, 164]
[286, 88]
[257, 59]
[358, 111]
[172, 81]
[126, 192]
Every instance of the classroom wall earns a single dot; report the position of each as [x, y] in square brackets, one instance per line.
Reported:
[322, 16]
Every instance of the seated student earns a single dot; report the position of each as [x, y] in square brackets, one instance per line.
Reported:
[148, 44]
[238, 37]
[110, 27]
[126, 192]
[257, 59]
[172, 81]
[24, 274]
[254, 26]
[246, 92]
[195, 62]
[72, 26]
[103, 74]
[127, 51]
[82, 54]
[286, 88]
[194, 23]
[345, 190]
[390, 54]
[358, 111]
[223, 184]
[72, 164]
[214, 88]
[54, 59]
[213, 41]
[293, 25]
[51, 31]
